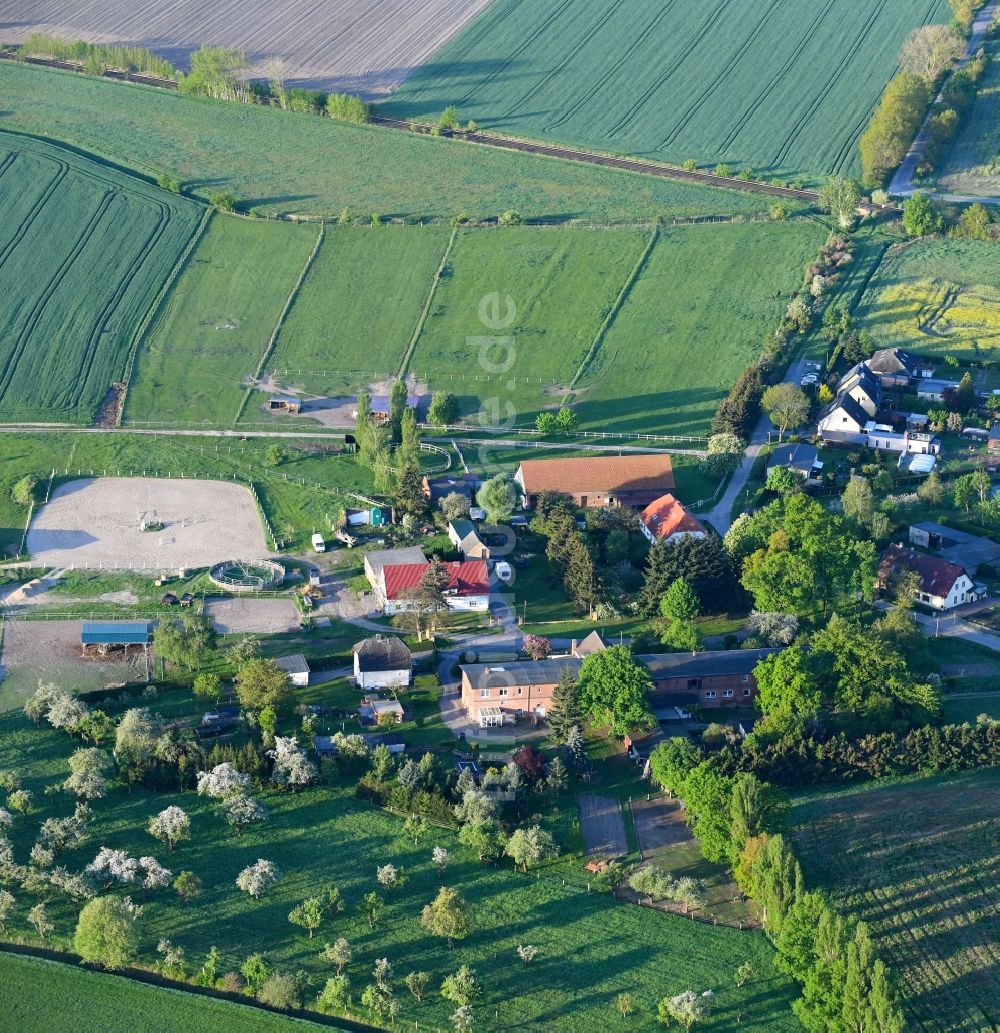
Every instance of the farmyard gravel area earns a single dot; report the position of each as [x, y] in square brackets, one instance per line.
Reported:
[95, 522]
[357, 46]
[247, 615]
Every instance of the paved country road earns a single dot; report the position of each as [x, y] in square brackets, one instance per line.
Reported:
[765, 431]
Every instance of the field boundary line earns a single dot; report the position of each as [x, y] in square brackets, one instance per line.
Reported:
[66, 959]
[155, 307]
[282, 315]
[422, 318]
[615, 307]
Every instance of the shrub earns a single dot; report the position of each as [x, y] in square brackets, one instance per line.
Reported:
[347, 108]
[280, 990]
[23, 492]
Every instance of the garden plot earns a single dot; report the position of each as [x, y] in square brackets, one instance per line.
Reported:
[42, 650]
[659, 823]
[354, 45]
[248, 616]
[95, 522]
[602, 826]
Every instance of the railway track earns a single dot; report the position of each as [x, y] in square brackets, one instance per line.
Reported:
[649, 168]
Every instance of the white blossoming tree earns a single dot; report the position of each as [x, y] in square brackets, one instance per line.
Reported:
[291, 766]
[154, 875]
[114, 866]
[222, 781]
[258, 877]
[240, 810]
[170, 826]
[87, 774]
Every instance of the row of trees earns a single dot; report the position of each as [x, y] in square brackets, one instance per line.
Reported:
[739, 411]
[957, 96]
[97, 58]
[738, 821]
[893, 125]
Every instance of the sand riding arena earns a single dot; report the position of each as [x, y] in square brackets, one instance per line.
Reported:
[145, 523]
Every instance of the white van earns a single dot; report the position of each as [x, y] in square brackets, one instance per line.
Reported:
[318, 544]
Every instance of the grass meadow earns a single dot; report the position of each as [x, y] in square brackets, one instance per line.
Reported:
[40, 996]
[937, 297]
[293, 509]
[552, 289]
[358, 306]
[213, 328]
[694, 318]
[591, 947]
[784, 89]
[84, 249]
[280, 161]
[920, 862]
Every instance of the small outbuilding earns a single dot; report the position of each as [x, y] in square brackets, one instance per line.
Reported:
[284, 404]
[99, 638]
[993, 440]
[380, 711]
[464, 536]
[297, 668]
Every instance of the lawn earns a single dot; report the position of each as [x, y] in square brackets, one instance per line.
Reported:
[962, 711]
[280, 161]
[697, 314]
[973, 166]
[40, 996]
[937, 297]
[297, 496]
[591, 948]
[358, 307]
[84, 250]
[214, 327]
[919, 861]
[554, 287]
[784, 89]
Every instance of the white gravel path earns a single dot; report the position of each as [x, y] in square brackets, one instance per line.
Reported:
[95, 522]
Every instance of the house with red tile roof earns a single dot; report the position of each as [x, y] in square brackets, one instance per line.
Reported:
[943, 585]
[626, 480]
[468, 585]
[666, 520]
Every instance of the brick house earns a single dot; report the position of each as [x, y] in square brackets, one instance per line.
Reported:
[627, 480]
[722, 678]
[497, 694]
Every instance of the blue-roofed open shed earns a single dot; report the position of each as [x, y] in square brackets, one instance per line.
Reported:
[116, 633]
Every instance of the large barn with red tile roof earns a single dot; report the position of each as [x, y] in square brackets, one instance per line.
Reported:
[627, 480]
